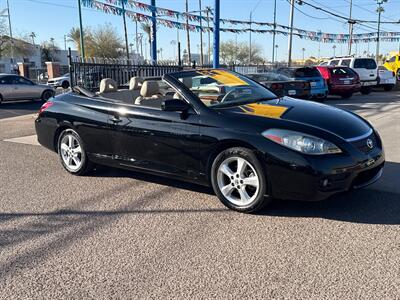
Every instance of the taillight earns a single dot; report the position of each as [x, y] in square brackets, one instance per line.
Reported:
[45, 106]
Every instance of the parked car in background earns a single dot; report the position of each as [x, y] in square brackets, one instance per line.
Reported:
[342, 81]
[62, 81]
[319, 88]
[366, 68]
[282, 85]
[15, 87]
[386, 78]
[393, 64]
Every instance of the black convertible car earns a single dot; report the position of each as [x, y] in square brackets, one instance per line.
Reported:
[218, 128]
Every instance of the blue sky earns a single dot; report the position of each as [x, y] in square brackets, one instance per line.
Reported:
[54, 18]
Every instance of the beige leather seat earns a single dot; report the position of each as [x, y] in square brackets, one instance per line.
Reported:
[108, 85]
[150, 94]
[135, 84]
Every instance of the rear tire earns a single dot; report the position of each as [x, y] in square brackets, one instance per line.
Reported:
[239, 180]
[46, 95]
[71, 151]
[65, 85]
[366, 90]
[398, 75]
[347, 96]
[388, 88]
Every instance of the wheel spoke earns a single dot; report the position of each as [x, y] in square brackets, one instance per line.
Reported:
[70, 141]
[76, 160]
[227, 190]
[253, 181]
[69, 161]
[243, 195]
[64, 147]
[241, 166]
[224, 168]
[78, 149]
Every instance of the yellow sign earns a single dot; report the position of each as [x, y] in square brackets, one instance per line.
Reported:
[224, 77]
[265, 110]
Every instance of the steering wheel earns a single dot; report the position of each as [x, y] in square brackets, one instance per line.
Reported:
[228, 94]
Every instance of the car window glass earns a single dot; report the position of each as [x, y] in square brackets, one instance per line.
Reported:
[365, 63]
[21, 80]
[341, 71]
[5, 80]
[306, 72]
[392, 59]
[345, 62]
[334, 62]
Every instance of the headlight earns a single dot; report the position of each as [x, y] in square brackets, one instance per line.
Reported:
[301, 142]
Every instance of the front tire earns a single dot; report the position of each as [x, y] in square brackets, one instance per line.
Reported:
[65, 85]
[47, 94]
[239, 180]
[72, 153]
[388, 88]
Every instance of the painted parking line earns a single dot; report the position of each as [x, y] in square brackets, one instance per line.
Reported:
[27, 140]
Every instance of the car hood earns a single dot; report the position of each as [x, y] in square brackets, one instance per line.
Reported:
[325, 117]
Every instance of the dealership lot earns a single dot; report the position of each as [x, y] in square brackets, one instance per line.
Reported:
[125, 235]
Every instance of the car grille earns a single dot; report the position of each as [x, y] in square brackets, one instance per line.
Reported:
[362, 145]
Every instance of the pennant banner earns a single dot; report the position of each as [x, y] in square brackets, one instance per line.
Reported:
[111, 8]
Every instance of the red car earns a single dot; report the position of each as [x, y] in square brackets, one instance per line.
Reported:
[342, 81]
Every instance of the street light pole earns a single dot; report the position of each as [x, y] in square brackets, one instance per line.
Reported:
[201, 36]
[81, 30]
[334, 50]
[274, 34]
[379, 11]
[125, 31]
[11, 36]
[187, 33]
[251, 20]
[351, 23]
[290, 33]
[216, 34]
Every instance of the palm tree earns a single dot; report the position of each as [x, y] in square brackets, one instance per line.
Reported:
[74, 36]
[147, 29]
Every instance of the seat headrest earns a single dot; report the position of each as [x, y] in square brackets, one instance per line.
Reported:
[135, 83]
[108, 85]
[149, 88]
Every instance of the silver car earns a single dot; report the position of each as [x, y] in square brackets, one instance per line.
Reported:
[15, 87]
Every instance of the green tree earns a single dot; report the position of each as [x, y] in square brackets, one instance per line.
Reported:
[232, 52]
[49, 51]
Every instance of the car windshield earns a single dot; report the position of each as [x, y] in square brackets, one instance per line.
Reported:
[220, 88]
[365, 63]
[270, 76]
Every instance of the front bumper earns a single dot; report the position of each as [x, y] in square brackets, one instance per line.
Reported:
[315, 178]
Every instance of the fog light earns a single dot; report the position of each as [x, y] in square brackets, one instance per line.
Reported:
[325, 182]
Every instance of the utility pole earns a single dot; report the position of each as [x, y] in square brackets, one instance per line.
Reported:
[65, 42]
[290, 33]
[351, 24]
[251, 20]
[274, 34]
[81, 31]
[303, 50]
[208, 10]
[319, 44]
[216, 35]
[153, 33]
[379, 10]
[11, 36]
[334, 50]
[201, 36]
[136, 36]
[187, 33]
[125, 31]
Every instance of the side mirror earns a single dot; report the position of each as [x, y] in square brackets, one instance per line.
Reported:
[174, 105]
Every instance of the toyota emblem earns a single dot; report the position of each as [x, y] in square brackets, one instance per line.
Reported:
[370, 144]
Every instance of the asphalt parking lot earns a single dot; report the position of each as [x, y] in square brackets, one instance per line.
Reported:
[119, 234]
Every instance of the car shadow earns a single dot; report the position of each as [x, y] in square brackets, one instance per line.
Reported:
[376, 204]
[166, 181]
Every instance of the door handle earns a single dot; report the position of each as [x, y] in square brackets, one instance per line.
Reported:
[115, 120]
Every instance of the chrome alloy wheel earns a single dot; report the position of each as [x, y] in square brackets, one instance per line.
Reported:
[71, 152]
[238, 181]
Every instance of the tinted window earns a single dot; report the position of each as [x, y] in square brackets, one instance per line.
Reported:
[364, 63]
[392, 59]
[345, 62]
[5, 80]
[306, 72]
[22, 80]
[334, 62]
[342, 71]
